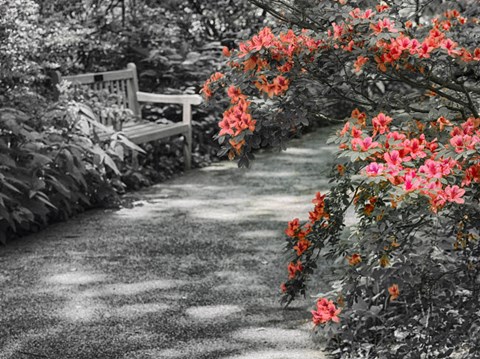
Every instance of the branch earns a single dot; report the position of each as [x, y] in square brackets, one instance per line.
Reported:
[452, 85]
[472, 105]
[419, 11]
[310, 24]
[431, 88]
[268, 9]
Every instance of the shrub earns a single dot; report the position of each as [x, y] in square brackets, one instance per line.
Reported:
[408, 164]
[54, 165]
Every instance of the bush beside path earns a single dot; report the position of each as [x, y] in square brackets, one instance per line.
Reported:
[192, 270]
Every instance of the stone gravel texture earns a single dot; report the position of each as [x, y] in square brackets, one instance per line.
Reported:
[192, 270]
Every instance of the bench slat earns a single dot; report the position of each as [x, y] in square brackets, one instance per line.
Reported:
[154, 132]
[147, 126]
[157, 98]
[139, 125]
[86, 79]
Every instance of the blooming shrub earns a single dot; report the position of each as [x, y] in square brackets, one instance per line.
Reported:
[408, 166]
[414, 252]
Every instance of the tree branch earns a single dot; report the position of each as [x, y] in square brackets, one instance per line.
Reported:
[431, 88]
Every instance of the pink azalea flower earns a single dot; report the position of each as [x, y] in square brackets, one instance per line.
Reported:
[365, 144]
[368, 14]
[424, 50]
[411, 182]
[450, 46]
[454, 194]
[414, 148]
[403, 42]
[326, 311]
[374, 169]
[414, 45]
[356, 132]
[432, 169]
[393, 158]
[337, 30]
[381, 122]
[345, 129]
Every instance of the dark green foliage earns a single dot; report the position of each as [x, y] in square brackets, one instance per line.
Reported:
[52, 164]
[50, 168]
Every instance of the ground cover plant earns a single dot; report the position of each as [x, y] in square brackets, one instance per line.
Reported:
[408, 273]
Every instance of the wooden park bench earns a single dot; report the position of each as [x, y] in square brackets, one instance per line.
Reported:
[124, 83]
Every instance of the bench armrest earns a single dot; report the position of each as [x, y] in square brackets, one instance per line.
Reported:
[157, 98]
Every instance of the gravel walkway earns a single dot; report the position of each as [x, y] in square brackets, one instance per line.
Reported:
[191, 271]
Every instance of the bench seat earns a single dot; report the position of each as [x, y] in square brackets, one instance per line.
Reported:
[150, 131]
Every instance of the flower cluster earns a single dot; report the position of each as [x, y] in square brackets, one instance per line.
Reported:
[294, 268]
[237, 119]
[414, 164]
[280, 47]
[277, 87]
[270, 62]
[394, 292]
[326, 311]
[298, 234]
[400, 48]
[255, 56]
[206, 90]
[319, 210]
[266, 51]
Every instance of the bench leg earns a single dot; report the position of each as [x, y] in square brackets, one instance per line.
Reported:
[187, 150]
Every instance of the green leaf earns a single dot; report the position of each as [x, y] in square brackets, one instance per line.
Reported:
[58, 186]
[87, 111]
[42, 197]
[124, 140]
[11, 187]
[40, 160]
[107, 160]
[6, 160]
[5, 214]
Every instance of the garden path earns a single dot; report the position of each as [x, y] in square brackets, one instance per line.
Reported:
[191, 271]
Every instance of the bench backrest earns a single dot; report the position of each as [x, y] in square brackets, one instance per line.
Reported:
[123, 83]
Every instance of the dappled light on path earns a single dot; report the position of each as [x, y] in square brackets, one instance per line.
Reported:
[214, 312]
[75, 278]
[281, 354]
[133, 288]
[191, 271]
[260, 233]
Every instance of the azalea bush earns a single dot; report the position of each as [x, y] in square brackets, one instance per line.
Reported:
[407, 274]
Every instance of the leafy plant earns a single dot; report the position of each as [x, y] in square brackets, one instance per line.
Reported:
[55, 165]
